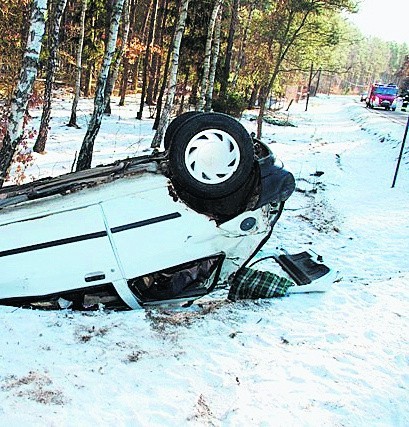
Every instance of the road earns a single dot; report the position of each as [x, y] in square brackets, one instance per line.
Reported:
[397, 116]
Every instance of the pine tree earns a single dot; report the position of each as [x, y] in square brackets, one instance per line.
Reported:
[77, 89]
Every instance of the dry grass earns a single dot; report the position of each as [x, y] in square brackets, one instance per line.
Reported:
[34, 386]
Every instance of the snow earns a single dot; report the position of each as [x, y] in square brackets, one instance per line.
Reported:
[339, 358]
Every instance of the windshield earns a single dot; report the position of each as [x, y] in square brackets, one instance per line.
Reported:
[386, 91]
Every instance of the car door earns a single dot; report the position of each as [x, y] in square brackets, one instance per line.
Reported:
[54, 252]
[151, 232]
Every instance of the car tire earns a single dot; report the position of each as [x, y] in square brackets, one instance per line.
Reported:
[224, 208]
[174, 125]
[211, 156]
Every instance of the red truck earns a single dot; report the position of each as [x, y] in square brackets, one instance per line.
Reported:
[383, 96]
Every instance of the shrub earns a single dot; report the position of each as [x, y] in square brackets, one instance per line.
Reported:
[232, 103]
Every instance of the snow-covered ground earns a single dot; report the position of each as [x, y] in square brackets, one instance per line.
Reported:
[339, 358]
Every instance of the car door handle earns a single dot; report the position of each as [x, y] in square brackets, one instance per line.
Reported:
[96, 275]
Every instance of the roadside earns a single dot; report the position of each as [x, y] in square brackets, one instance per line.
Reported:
[348, 205]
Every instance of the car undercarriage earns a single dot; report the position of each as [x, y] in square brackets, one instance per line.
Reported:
[162, 228]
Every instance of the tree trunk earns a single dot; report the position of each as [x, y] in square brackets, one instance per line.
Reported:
[242, 49]
[159, 65]
[91, 65]
[262, 101]
[28, 73]
[126, 63]
[229, 49]
[157, 42]
[124, 82]
[114, 70]
[208, 55]
[264, 93]
[253, 96]
[164, 81]
[215, 57]
[318, 83]
[88, 79]
[143, 38]
[182, 99]
[85, 154]
[164, 119]
[53, 43]
[77, 90]
[147, 58]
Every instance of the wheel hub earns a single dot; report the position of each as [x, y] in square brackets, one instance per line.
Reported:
[212, 156]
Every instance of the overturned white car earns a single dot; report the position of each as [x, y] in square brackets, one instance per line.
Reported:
[161, 228]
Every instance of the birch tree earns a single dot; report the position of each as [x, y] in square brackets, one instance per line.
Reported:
[215, 58]
[77, 89]
[85, 154]
[24, 87]
[164, 118]
[208, 55]
[114, 70]
[53, 43]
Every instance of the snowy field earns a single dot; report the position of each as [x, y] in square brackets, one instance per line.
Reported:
[339, 358]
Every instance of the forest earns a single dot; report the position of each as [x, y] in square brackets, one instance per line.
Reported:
[177, 55]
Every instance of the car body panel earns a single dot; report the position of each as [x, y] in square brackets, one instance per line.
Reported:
[149, 225]
[115, 233]
[55, 251]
